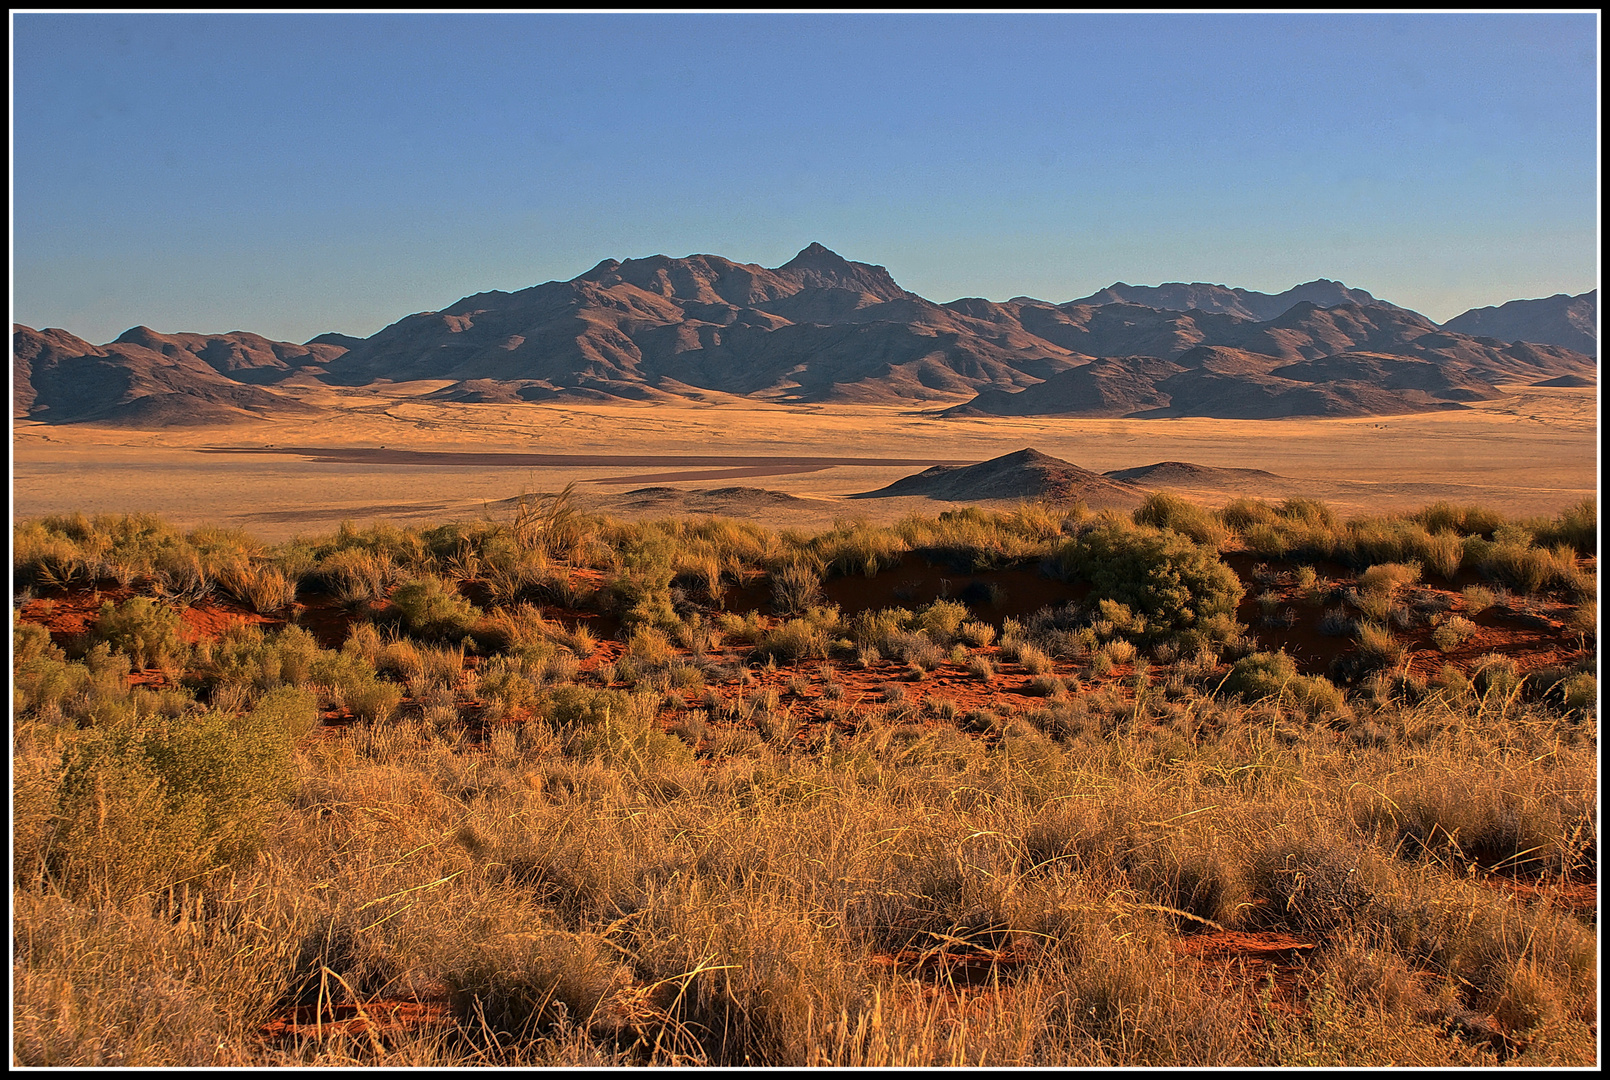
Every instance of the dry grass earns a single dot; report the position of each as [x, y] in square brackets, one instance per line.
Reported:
[579, 876]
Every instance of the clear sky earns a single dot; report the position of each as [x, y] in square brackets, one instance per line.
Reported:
[292, 174]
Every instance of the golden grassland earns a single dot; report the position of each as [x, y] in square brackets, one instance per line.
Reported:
[541, 791]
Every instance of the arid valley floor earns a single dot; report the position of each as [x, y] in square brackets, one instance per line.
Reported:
[1529, 452]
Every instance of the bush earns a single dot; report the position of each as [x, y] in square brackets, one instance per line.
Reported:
[1389, 577]
[147, 631]
[1176, 584]
[1577, 526]
[1243, 514]
[263, 588]
[1274, 675]
[796, 588]
[430, 608]
[1034, 660]
[139, 807]
[1377, 644]
[796, 639]
[245, 657]
[611, 726]
[1463, 520]
[977, 634]
[1453, 632]
[943, 620]
[1580, 691]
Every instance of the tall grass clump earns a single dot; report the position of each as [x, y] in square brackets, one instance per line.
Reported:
[1167, 511]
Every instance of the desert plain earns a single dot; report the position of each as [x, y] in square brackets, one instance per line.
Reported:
[1532, 451]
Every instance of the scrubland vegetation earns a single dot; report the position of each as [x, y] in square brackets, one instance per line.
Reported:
[561, 790]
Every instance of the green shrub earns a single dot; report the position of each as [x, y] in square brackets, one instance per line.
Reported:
[148, 632]
[247, 658]
[1580, 691]
[796, 588]
[1310, 512]
[289, 710]
[1577, 526]
[350, 682]
[1389, 577]
[1444, 554]
[977, 634]
[612, 726]
[263, 588]
[1243, 514]
[1463, 520]
[1274, 675]
[796, 639]
[1496, 675]
[1377, 644]
[430, 608]
[1267, 540]
[650, 647]
[1452, 633]
[1584, 618]
[942, 620]
[1176, 584]
[137, 808]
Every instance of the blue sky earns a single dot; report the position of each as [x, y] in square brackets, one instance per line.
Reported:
[292, 174]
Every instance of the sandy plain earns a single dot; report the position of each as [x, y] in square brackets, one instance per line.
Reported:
[1533, 451]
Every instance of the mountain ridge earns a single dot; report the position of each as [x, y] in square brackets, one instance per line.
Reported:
[820, 329]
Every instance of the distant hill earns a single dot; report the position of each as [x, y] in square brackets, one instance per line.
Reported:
[1187, 474]
[1342, 361]
[146, 379]
[1571, 321]
[1220, 299]
[1026, 474]
[820, 328]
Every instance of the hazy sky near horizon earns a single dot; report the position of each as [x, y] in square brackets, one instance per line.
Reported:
[291, 174]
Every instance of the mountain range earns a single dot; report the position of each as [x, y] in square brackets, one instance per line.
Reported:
[821, 328]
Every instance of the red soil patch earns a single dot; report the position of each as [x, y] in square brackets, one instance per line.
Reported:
[956, 967]
[371, 1019]
[69, 613]
[1255, 961]
[326, 620]
[208, 620]
[1579, 897]
[993, 595]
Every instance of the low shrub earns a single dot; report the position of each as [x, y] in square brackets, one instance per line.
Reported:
[796, 639]
[138, 806]
[148, 632]
[1274, 675]
[1377, 644]
[1452, 633]
[431, 608]
[796, 588]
